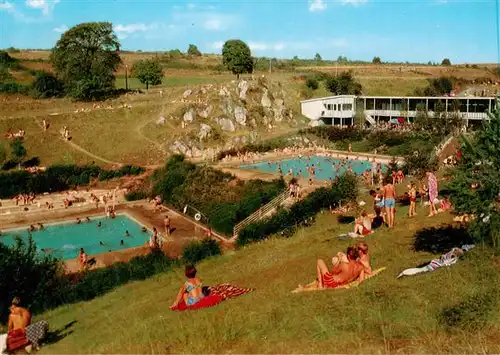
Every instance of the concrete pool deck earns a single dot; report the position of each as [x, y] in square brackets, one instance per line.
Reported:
[184, 230]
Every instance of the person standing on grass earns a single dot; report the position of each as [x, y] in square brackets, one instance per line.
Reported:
[166, 223]
[433, 193]
[412, 192]
[389, 201]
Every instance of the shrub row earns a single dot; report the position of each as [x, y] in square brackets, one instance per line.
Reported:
[344, 190]
[57, 178]
[253, 148]
[220, 197]
[335, 134]
[197, 251]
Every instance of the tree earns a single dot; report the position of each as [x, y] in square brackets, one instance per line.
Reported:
[317, 57]
[18, 151]
[377, 60]
[343, 84]
[85, 59]
[475, 189]
[237, 57]
[446, 61]
[149, 72]
[46, 85]
[436, 87]
[193, 51]
[312, 83]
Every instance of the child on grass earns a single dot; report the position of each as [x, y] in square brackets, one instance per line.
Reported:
[412, 192]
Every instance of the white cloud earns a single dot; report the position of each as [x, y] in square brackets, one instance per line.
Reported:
[353, 2]
[212, 24]
[6, 6]
[46, 6]
[61, 29]
[191, 6]
[132, 28]
[217, 45]
[317, 5]
[264, 46]
[218, 22]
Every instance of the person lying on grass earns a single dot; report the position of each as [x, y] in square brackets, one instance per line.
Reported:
[364, 257]
[346, 269]
[191, 292]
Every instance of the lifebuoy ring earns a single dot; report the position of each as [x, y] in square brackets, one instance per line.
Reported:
[197, 216]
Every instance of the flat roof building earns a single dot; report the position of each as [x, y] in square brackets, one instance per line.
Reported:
[343, 109]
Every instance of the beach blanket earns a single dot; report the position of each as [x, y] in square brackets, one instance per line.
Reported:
[36, 332]
[217, 294]
[310, 287]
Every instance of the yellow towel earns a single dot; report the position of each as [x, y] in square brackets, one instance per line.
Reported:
[349, 285]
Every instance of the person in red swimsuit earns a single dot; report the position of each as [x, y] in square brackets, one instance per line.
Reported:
[346, 270]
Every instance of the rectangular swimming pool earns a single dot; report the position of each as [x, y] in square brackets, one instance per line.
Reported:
[64, 240]
[326, 168]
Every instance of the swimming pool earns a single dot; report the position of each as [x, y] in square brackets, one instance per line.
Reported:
[325, 167]
[64, 240]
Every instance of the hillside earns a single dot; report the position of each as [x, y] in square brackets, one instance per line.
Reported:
[383, 315]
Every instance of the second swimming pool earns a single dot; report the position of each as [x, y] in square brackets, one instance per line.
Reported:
[326, 168]
[64, 240]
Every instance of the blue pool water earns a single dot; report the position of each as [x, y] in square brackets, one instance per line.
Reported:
[66, 239]
[324, 166]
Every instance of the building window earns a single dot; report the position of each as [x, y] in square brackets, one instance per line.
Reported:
[347, 107]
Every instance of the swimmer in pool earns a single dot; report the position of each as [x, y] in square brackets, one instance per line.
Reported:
[78, 220]
[101, 243]
[87, 219]
[121, 242]
[31, 229]
[99, 224]
[127, 234]
[40, 226]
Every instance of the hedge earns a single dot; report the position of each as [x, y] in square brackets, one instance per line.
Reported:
[196, 251]
[57, 178]
[344, 190]
[222, 198]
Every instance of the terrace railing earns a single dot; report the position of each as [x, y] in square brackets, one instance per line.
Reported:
[262, 212]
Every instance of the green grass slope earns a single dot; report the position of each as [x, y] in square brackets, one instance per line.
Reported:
[383, 315]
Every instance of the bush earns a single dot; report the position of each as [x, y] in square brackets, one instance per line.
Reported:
[336, 134]
[13, 88]
[441, 239]
[35, 161]
[470, 314]
[345, 190]
[312, 83]
[41, 284]
[262, 147]
[196, 251]
[46, 85]
[220, 197]
[136, 195]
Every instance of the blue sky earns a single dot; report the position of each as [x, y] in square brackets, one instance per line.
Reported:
[423, 30]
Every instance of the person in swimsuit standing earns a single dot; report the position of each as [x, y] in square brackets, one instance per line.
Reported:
[389, 201]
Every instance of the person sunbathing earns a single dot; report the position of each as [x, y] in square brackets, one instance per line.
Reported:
[345, 271]
[191, 292]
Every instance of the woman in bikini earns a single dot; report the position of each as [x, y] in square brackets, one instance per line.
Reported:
[191, 292]
[345, 270]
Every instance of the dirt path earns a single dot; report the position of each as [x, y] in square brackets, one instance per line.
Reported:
[92, 155]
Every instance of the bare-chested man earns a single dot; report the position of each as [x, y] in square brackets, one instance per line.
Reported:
[19, 317]
[389, 201]
[166, 224]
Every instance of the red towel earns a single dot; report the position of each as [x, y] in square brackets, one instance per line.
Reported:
[205, 302]
[16, 339]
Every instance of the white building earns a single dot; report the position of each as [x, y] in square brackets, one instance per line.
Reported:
[342, 110]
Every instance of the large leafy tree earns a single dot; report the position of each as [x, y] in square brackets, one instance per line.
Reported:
[149, 72]
[237, 57]
[85, 59]
[343, 84]
[475, 188]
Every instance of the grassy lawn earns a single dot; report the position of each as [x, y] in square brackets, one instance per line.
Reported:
[391, 87]
[168, 81]
[383, 315]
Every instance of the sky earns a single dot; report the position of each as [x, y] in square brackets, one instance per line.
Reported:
[404, 30]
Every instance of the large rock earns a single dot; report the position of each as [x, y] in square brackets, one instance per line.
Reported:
[278, 109]
[224, 92]
[204, 131]
[266, 101]
[253, 136]
[240, 115]
[243, 87]
[189, 115]
[206, 112]
[226, 124]
[187, 93]
[227, 107]
[316, 123]
[161, 121]
[180, 147]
